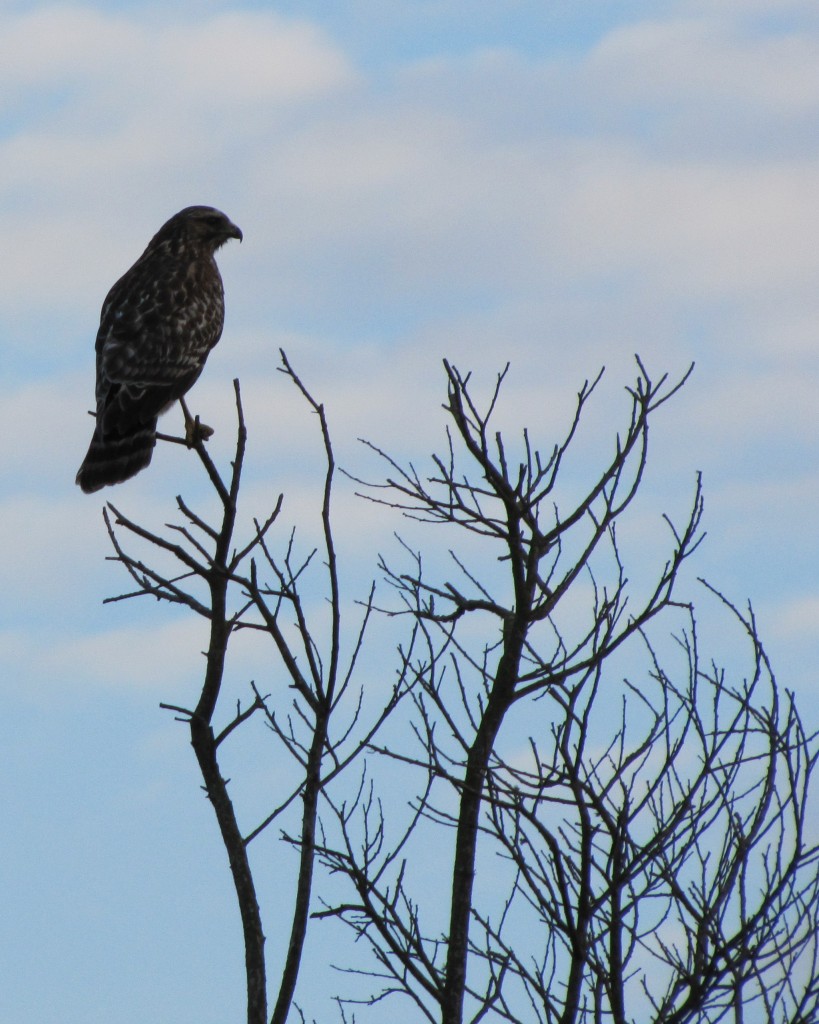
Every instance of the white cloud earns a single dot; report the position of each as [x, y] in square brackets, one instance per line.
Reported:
[118, 121]
[45, 546]
[45, 47]
[157, 658]
[711, 58]
[220, 59]
[691, 227]
[253, 57]
[797, 618]
[47, 430]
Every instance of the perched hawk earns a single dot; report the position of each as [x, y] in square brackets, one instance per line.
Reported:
[157, 326]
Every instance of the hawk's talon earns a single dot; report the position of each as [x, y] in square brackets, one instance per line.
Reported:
[196, 432]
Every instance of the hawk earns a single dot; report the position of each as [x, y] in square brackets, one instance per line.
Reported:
[158, 324]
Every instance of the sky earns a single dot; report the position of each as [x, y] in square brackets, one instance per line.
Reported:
[558, 186]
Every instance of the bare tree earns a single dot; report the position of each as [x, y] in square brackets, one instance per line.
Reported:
[624, 822]
[246, 586]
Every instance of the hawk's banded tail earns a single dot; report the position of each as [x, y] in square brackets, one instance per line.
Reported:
[116, 457]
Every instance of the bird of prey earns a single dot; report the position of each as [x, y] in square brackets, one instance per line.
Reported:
[157, 326]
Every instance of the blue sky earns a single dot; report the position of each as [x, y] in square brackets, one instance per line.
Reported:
[559, 185]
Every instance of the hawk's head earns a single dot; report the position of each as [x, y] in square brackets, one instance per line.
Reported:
[201, 226]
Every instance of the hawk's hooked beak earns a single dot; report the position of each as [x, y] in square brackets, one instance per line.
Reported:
[235, 232]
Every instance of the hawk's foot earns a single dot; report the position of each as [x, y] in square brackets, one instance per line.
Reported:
[194, 430]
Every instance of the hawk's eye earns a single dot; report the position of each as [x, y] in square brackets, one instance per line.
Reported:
[213, 220]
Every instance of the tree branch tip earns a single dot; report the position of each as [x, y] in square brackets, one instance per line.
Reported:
[179, 710]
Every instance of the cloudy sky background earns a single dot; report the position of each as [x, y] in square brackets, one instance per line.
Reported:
[558, 185]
